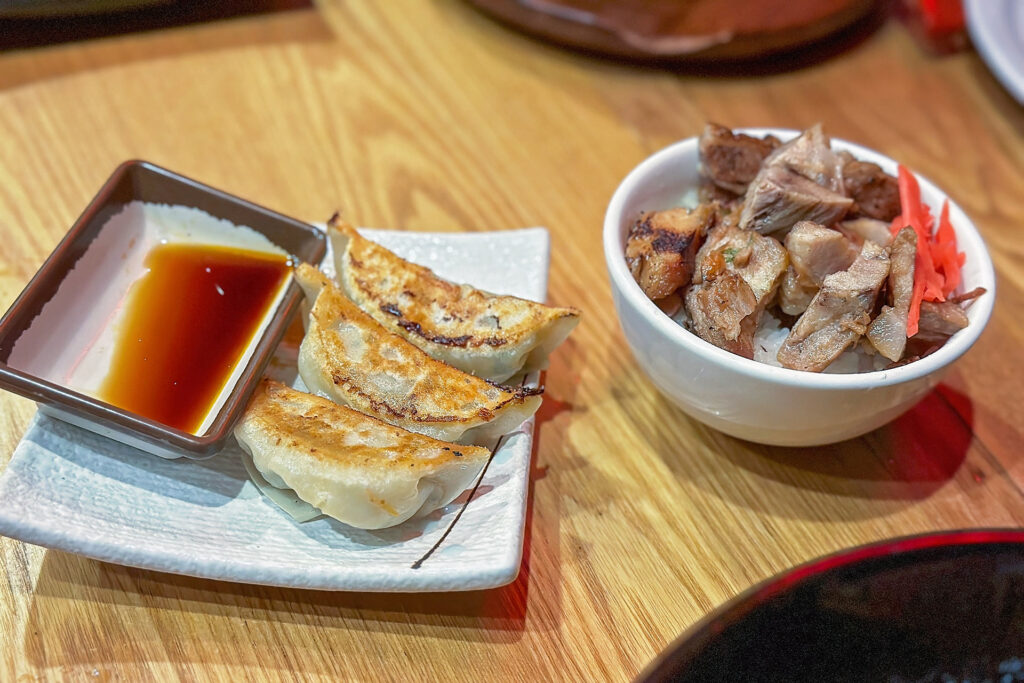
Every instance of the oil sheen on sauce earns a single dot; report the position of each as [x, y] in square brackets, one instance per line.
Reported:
[187, 323]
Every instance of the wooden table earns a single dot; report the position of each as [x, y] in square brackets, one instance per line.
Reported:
[428, 116]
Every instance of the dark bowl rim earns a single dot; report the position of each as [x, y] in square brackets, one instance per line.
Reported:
[700, 634]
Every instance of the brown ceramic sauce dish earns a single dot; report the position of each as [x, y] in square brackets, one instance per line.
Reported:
[60, 334]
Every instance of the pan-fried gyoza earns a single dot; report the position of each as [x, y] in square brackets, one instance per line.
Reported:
[350, 358]
[490, 336]
[389, 432]
[353, 467]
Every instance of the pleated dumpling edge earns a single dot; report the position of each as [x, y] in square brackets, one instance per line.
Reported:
[348, 357]
[491, 336]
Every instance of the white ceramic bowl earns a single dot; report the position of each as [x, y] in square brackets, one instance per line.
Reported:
[752, 400]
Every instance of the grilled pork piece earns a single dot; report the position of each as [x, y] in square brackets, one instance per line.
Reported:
[708, 192]
[860, 230]
[811, 156]
[814, 253]
[779, 198]
[738, 273]
[967, 297]
[838, 314]
[732, 160]
[801, 180]
[728, 214]
[722, 311]
[875, 193]
[888, 331]
[939, 321]
[662, 245]
[759, 260]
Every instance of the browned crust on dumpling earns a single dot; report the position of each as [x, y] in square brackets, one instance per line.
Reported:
[431, 392]
[332, 433]
[410, 300]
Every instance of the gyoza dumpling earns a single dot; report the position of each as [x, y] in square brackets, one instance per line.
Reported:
[490, 336]
[351, 359]
[355, 468]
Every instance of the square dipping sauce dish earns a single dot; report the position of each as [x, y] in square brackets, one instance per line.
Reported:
[59, 341]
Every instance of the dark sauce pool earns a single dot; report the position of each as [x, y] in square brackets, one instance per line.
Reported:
[187, 323]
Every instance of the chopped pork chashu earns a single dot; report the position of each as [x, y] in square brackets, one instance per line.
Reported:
[939, 321]
[861, 230]
[801, 180]
[814, 253]
[731, 160]
[821, 278]
[728, 214]
[738, 273]
[888, 331]
[967, 297]
[839, 313]
[779, 198]
[875, 193]
[662, 245]
[708, 193]
[759, 260]
[810, 155]
[722, 311]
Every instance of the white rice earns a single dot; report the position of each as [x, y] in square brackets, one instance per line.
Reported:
[690, 199]
[768, 340]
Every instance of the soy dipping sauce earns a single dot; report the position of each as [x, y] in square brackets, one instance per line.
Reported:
[187, 323]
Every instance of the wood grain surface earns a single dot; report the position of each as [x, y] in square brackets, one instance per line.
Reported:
[427, 116]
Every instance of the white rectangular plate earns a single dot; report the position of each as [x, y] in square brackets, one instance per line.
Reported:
[72, 490]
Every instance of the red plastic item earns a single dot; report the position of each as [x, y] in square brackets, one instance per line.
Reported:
[942, 16]
[938, 24]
